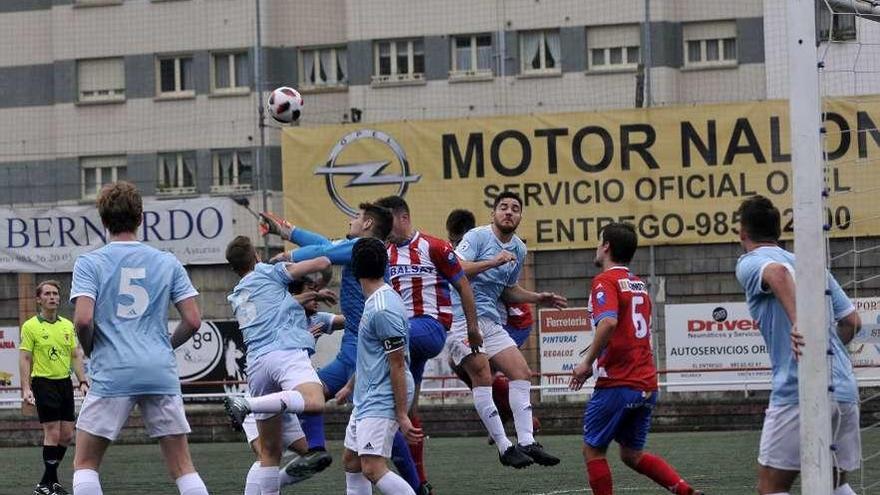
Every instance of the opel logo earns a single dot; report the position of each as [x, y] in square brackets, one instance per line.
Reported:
[365, 173]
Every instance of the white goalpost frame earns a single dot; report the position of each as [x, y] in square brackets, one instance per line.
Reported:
[809, 246]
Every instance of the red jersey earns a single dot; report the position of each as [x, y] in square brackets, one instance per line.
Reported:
[420, 271]
[519, 316]
[627, 360]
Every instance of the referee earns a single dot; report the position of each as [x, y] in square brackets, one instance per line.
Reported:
[48, 348]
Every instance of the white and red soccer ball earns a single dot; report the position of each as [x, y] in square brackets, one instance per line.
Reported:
[285, 105]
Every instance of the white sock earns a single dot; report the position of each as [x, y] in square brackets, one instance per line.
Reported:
[392, 484]
[252, 483]
[521, 405]
[289, 401]
[86, 482]
[191, 484]
[357, 484]
[491, 419]
[284, 479]
[268, 479]
[844, 489]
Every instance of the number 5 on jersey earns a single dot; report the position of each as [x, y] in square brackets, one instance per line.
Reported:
[139, 296]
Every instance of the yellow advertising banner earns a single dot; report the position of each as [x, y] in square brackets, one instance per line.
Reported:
[677, 173]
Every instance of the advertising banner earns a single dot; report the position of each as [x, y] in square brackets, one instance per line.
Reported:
[678, 174]
[563, 335]
[49, 239]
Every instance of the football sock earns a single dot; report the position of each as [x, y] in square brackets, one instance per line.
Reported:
[51, 458]
[357, 484]
[86, 482]
[418, 452]
[191, 484]
[521, 405]
[501, 396]
[489, 414]
[844, 489]
[403, 461]
[599, 476]
[268, 479]
[663, 474]
[313, 426]
[392, 484]
[252, 482]
[284, 401]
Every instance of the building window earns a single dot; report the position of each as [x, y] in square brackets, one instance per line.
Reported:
[231, 73]
[324, 67]
[539, 52]
[90, 3]
[471, 55]
[710, 44]
[832, 26]
[613, 47]
[101, 80]
[233, 171]
[175, 76]
[96, 171]
[399, 60]
[177, 173]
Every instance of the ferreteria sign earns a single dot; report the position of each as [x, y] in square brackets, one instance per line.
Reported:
[678, 173]
[49, 239]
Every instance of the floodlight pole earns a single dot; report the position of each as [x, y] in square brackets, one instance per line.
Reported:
[261, 118]
[809, 246]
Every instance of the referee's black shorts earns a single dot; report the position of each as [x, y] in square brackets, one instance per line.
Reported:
[54, 399]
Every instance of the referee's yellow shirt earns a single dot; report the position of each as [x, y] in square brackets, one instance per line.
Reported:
[51, 344]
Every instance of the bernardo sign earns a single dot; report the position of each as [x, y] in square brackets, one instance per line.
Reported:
[50, 239]
[677, 174]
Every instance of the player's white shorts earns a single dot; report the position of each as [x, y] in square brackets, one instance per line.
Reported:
[280, 370]
[495, 339]
[370, 436]
[104, 417]
[781, 439]
[291, 430]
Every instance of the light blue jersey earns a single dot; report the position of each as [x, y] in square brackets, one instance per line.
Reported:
[269, 318]
[383, 326]
[776, 328]
[131, 284]
[481, 244]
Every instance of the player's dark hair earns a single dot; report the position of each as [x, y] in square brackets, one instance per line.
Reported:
[382, 219]
[761, 220]
[241, 255]
[396, 204]
[297, 286]
[622, 241]
[507, 195]
[369, 259]
[459, 222]
[120, 207]
[54, 283]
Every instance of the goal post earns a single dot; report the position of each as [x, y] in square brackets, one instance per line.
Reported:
[809, 245]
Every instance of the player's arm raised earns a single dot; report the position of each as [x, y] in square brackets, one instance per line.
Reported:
[190, 321]
[303, 268]
[517, 295]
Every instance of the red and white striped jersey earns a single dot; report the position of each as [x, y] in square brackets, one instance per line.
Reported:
[421, 271]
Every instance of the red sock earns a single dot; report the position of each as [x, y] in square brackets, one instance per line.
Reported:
[418, 452]
[599, 475]
[501, 397]
[663, 474]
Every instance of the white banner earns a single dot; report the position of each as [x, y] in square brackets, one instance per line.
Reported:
[865, 348]
[714, 336]
[563, 335]
[9, 339]
[49, 239]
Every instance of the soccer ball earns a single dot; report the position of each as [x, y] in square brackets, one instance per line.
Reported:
[285, 105]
